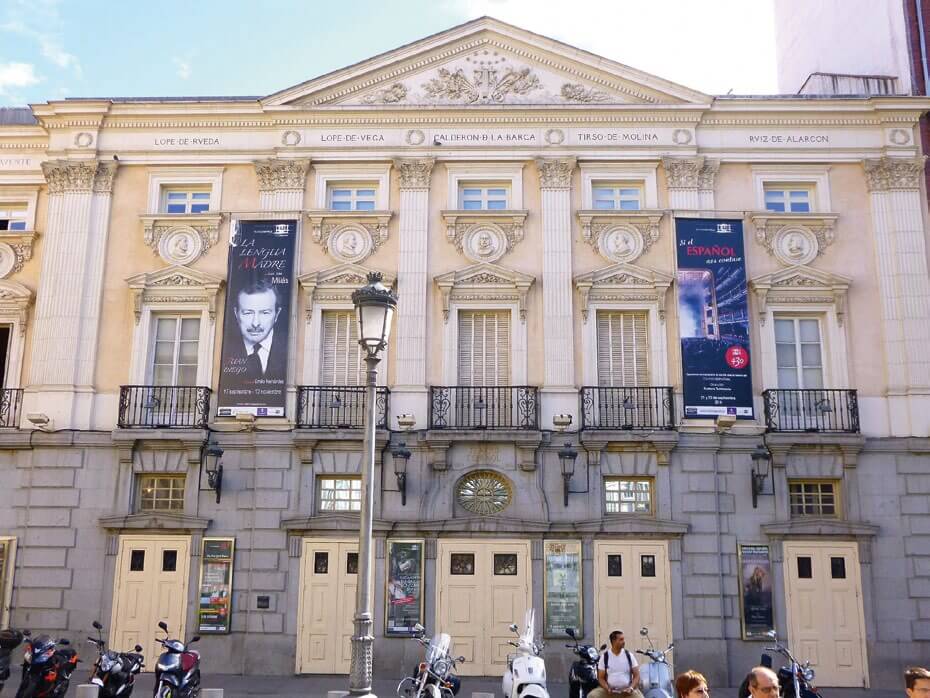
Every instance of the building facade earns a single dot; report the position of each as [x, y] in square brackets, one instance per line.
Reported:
[523, 198]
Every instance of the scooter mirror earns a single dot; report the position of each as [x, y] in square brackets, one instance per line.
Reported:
[138, 648]
[460, 659]
[419, 628]
[64, 641]
[27, 633]
[570, 632]
[194, 639]
[97, 625]
[772, 634]
[604, 646]
[644, 631]
[163, 625]
[513, 627]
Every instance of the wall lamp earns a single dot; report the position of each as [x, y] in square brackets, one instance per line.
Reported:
[567, 456]
[401, 455]
[761, 468]
[210, 460]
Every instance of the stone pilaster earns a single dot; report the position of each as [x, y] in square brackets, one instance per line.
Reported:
[69, 294]
[904, 285]
[690, 182]
[560, 395]
[281, 184]
[410, 345]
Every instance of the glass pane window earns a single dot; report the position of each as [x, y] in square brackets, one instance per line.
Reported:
[813, 498]
[176, 350]
[161, 493]
[352, 198]
[627, 495]
[340, 494]
[798, 353]
[787, 200]
[186, 200]
[492, 197]
[12, 217]
[617, 197]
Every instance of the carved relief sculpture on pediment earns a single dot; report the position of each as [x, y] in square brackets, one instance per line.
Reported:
[623, 282]
[484, 282]
[174, 285]
[336, 284]
[800, 285]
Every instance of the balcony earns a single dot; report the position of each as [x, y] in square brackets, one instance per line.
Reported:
[338, 407]
[163, 407]
[812, 411]
[647, 408]
[11, 402]
[489, 407]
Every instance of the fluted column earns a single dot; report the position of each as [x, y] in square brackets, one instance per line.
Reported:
[559, 392]
[901, 259]
[409, 343]
[281, 184]
[690, 182]
[64, 348]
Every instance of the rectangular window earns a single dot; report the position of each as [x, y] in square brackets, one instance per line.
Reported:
[788, 199]
[805, 568]
[351, 198]
[342, 356]
[813, 498]
[484, 197]
[462, 564]
[320, 562]
[161, 492]
[616, 197]
[13, 216]
[484, 348]
[340, 494]
[175, 351]
[185, 200]
[627, 495]
[622, 349]
[614, 565]
[798, 353]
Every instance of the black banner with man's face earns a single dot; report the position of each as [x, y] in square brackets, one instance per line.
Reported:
[253, 368]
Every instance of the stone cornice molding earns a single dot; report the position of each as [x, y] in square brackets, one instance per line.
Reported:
[282, 175]
[800, 285]
[555, 173]
[372, 226]
[460, 224]
[15, 300]
[623, 283]
[21, 242]
[414, 172]
[807, 527]
[177, 285]
[205, 225]
[596, 223]
[154, 521]
[773, 232]
[690, 173]
[336, 284]
[886, 173]
[483, 281]
[79, 176]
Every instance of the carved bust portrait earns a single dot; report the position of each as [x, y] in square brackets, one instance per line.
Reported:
[795, 246]
[180, 246]
[620, 244]
[486, 244]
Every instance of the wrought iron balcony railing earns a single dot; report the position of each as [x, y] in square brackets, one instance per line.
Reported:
[816, 410]
[11, 402]
[489, 407]
[164, 407]
[627, 408]
[338, 406]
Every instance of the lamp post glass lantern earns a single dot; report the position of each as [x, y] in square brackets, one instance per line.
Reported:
[374, 310]
[567, 456]
[761, 459]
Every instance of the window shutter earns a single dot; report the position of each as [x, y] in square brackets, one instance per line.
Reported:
[484, 347]
[622, 349]
[342, 360]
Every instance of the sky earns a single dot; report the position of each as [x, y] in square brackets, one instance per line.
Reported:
[55, 49]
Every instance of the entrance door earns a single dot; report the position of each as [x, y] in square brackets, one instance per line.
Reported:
[826, 623]
[483, 588]
[328, 574]
[632, 591]
[152, 574]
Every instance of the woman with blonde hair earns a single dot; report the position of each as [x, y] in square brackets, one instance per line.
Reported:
[691, 684]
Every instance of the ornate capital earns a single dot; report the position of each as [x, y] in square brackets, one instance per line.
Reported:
[414, 174]
[555, 173]
[103, 179]
[885, 174]
[78, 176]
[708, 174]
[276, 175]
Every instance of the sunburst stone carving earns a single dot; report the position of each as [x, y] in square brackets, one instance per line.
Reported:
[484, 492]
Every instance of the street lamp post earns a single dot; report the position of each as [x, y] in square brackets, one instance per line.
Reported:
[374, 310]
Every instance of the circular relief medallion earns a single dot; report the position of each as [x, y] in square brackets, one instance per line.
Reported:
[899, 136]
[350, 243]
[682, 136]
[794, 246]
[621, 244]
[415, 137]
[180, 246]
[290, 138]
[7, 260]
[83, 139]
[485, 243]
[555, 136]
[484, 492]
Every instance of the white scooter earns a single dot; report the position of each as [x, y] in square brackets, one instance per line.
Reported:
[526, 671]
[655, 676]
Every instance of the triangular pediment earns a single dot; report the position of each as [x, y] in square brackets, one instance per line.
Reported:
[624, 275]
[485, 274]
[801, 277]
[485, 62]
[174, 276]
[349, 276]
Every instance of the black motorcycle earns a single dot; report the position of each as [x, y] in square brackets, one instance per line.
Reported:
[582, 678]
[114, 672]
[177, 672]
[47, 667]
[795, 680]
[9, 640]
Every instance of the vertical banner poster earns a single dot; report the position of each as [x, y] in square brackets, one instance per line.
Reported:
[756, 591]
[563, 588]
[215, 596]
[253, 368]
[404, 607]
[713, 318]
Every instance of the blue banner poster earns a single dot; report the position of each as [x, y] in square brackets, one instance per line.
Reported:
[713, 318]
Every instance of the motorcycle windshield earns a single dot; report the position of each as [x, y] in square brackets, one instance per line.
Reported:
[529, 627]
[440, 646]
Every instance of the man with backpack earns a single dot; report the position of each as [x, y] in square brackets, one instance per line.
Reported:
[617, 671]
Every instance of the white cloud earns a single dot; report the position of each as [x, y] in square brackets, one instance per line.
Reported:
[45, 15]
[17, 75]
[183, 66]
[710, 45]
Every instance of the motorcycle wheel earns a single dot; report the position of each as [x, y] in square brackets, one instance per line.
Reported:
[28, 688]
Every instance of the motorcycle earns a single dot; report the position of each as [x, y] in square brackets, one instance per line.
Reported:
[47, 667]
[655, 677]
[433, 677]
[114, 672]
[795, 680]
[526, 670]
[177, 672]
[582, 678]
[9, 640]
